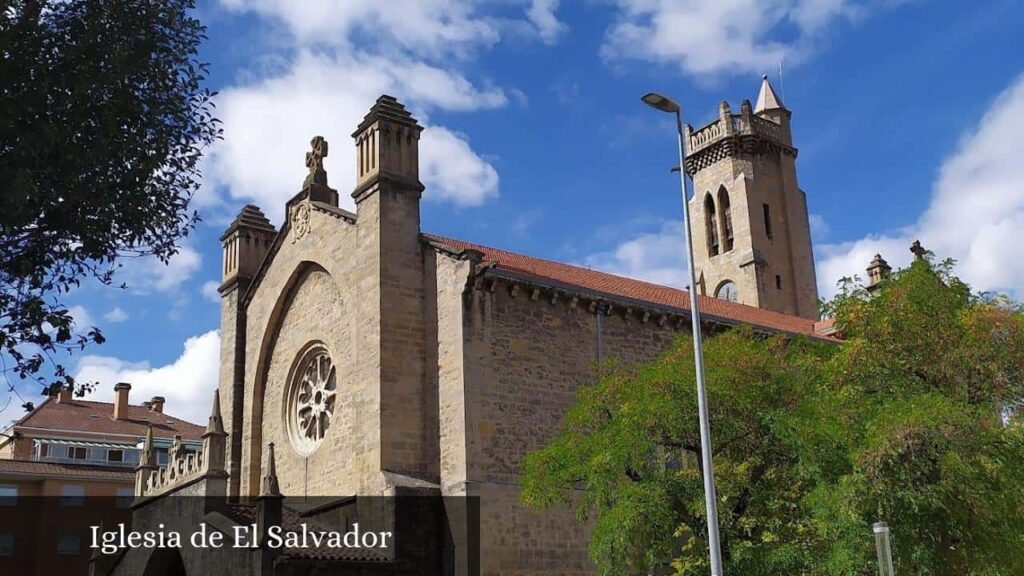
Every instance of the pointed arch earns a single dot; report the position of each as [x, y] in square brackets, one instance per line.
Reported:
[252, 451]
[711, 225]
[725, 217]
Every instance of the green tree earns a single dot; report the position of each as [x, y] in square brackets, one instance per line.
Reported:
[813, 442]
[103, 120]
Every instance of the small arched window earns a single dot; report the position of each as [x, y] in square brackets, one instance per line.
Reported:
[727, 290]
[711, 225]
[725, 214]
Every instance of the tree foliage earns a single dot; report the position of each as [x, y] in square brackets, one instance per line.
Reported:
[103, 119]
[906, 421]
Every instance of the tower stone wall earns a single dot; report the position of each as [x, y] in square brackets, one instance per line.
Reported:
[749, 217]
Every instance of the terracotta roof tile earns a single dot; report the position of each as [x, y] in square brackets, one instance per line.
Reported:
[50, 469]
[610, 284]
[98, 417]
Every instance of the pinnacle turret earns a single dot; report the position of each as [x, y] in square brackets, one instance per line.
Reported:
[767, 99]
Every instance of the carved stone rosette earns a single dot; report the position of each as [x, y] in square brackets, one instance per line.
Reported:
[310, 400]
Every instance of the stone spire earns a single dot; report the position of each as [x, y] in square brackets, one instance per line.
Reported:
[269, 505]
[148, 457]
[878, 270]
[270, 487]
[147, 464]
[767, 99]
[214, 444]
[216, 424]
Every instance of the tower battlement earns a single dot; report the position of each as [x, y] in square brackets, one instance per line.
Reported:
[732, 134]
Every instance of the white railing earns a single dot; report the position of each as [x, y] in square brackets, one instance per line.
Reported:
[89, 461]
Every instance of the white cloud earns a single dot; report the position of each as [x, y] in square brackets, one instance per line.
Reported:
[115, 315]
[707, 38]
[976, 212]
[657, 257]
[268, 125]
[452, 171]
[82, 321]
[819, 226]
[148, 274]
[542, 14]
[209, 291]
[431, 27]
[187, 383]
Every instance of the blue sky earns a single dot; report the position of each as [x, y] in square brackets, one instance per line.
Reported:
[907, 115]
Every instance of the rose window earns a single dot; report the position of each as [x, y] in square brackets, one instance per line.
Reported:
[311, 398]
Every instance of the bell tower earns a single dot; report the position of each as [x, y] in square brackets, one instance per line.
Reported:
[751, 234]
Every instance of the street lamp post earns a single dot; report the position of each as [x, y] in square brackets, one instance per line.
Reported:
[666, 104]
[883, 548]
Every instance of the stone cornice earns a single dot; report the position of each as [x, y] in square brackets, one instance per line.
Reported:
[550, 292]
[732, 146]
[334, 211]
[385, 179]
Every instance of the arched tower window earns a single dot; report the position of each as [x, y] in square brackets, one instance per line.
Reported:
[727, 290]
[711, 225]
[725, 214]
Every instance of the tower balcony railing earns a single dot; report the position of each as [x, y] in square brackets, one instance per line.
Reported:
[734, 125]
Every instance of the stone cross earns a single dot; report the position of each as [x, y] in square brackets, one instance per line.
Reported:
[315, 162]
[918, 250]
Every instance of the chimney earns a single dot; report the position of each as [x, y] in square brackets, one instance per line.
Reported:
[121, 389]
[64, 394]
[157, 404]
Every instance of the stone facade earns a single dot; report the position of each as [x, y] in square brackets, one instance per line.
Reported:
[445, 368]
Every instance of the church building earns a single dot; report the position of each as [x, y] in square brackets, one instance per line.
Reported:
[362, 356]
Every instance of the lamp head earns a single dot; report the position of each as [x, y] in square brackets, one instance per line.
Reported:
[660, 102]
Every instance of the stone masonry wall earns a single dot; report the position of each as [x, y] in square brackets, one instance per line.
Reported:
[523, 362]
[315, 290]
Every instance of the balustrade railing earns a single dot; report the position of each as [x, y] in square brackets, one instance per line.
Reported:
[738, 125]
[178, 471]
